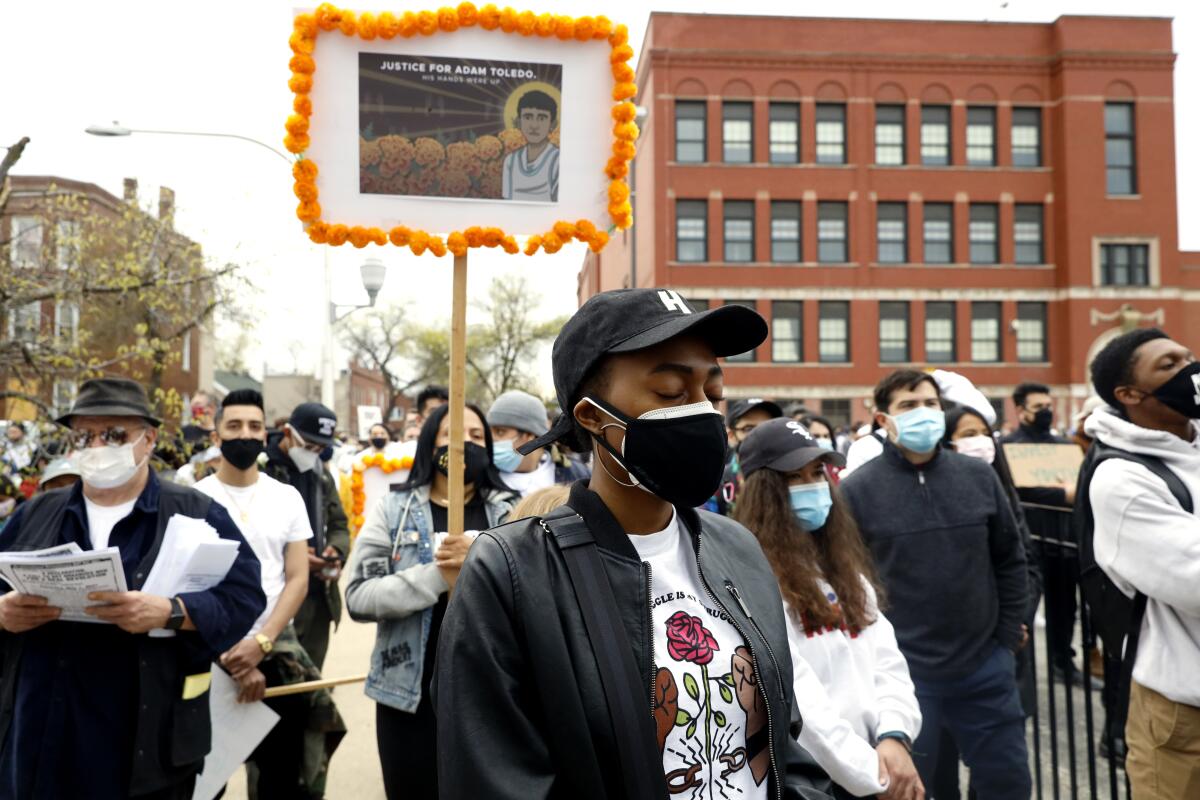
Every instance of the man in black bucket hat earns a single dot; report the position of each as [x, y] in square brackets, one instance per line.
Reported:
[104, 710]
[626, 645]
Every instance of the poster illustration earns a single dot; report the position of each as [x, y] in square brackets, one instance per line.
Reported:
[459, 127]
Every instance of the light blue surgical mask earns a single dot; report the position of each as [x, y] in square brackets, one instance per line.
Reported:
[920, 430]
[824, 443]
[504, 456]
[811, 503]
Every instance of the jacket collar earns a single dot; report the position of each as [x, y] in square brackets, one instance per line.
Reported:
[1037, 434]
[147, 501]
[891, 451]
[604, 526]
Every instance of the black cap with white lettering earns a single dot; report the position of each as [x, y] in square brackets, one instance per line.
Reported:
[315, 423]
[625, 320]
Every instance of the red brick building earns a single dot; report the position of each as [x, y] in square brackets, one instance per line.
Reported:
[981, 197]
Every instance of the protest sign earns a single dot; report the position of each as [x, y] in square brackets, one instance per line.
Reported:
[1036, 465]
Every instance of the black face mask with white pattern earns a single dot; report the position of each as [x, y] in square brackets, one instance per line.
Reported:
[1182, 392]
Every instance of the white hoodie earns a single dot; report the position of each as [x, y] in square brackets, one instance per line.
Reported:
[1145, 541]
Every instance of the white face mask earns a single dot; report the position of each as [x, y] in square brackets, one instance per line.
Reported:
[981, 447]
[107, 467]
[304, 459]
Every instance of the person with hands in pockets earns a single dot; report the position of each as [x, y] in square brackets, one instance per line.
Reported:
[401, 571]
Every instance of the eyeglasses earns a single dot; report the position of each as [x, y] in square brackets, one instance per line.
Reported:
[115, 436]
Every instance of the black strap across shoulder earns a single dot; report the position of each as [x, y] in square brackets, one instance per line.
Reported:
[625, 692]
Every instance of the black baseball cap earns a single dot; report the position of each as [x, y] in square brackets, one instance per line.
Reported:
[315, 423]
[625, 320]
[741, 408]
[783, 445]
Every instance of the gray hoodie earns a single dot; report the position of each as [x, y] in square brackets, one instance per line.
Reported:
[1145, 541]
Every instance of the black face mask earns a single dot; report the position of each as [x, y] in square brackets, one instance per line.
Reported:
[675, 453]
[1043, 419]
[475, 460]
[1182, 392]
[379, 442]
[241, 453]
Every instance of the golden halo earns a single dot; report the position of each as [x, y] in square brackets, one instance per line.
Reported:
[510, 105]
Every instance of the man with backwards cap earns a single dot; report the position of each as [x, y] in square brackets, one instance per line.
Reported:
[517, 418]
[103, 710]
[523, 710]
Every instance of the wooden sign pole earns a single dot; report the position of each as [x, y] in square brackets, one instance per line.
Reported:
[458, 394]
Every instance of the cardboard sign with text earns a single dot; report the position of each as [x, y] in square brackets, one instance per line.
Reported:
[1043, 464]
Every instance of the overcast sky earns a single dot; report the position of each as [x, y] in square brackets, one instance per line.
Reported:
[221, 66]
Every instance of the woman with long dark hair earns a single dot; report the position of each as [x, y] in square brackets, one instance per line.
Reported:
[401, 570]
[858, 703]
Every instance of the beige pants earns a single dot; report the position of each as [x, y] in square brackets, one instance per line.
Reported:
[1164, 747]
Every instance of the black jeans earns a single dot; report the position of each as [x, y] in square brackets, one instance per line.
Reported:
[408, 751]
[279, 756]
[1061, 577]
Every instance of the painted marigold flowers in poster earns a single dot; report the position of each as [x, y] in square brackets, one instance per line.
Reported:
[519, 122]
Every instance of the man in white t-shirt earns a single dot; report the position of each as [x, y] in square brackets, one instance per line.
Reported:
[272, 517]
[531, 173]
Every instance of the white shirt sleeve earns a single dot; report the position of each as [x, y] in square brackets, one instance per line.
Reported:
[851, 762]
[1144, 540]
[895, 696]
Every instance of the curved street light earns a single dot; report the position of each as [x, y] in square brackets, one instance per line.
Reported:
[117, 129]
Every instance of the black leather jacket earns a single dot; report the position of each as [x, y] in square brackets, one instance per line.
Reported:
[520, 704]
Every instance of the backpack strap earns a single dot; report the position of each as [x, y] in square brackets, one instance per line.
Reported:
[641, 770]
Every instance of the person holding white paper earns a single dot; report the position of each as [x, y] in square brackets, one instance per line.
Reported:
[274, 521]
[103, 710]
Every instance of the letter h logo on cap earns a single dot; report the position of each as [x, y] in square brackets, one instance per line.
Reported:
[671, 299]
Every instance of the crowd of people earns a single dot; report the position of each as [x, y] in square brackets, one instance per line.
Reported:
[807, 610]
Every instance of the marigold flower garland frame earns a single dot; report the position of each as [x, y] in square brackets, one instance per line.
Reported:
[328, 18]
[358, 494]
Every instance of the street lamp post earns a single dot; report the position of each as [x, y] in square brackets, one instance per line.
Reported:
[373, 270]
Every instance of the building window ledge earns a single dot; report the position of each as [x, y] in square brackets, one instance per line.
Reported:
[1122, 197]
[960, 265]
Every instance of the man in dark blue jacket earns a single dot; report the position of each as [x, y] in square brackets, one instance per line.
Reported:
[103, 710]
[950, 555]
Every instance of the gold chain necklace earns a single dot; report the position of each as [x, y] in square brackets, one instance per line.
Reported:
[243, 514]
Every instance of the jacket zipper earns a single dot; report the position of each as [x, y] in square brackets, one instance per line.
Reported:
[753, 663]
[737, 595]
[650, 632]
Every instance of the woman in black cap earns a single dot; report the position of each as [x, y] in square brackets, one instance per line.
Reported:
[859, 706]
[626, 645]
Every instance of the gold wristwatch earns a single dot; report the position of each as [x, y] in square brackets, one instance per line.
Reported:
[265, 643]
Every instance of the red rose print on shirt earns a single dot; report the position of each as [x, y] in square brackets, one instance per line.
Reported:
[689, 640]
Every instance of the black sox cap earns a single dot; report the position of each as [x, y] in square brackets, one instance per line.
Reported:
[625, 320]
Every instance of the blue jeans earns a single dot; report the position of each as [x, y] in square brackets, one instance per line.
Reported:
[983, 714]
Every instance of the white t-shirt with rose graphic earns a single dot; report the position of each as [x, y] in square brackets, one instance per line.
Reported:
[709, 714]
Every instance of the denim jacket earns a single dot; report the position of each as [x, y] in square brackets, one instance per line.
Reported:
[393, 581]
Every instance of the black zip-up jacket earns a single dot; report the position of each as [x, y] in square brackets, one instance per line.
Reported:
[949, 552]
[1042, 521]
[521, 708]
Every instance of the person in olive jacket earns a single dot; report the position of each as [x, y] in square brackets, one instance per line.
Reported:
[522, 709]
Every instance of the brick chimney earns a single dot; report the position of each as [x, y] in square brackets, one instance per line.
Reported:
[166, 206]
[131, 190]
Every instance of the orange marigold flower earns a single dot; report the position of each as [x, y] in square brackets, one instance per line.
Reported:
[368, 28]
[302, 105]
[619, 36]
[338, 234]
[399, 235]
[305, 25]
[623, 73]
[369, 152]
[532, 244]
[409, 24]
[296, 144]
[604, 27]
[509, 19]
[305, 191]
[308, 211]
[318, 232]
[302, 63]
[526, 23]
[360, 237]
[489, 17]
[564, 27]
[301, 43]
[585, 229]
[624, 112]
[387, 26]
[492, 237]
[621, 53]
[624, 150]
[468, 15]
[489, 147]
[618, 192]
[585, 28]
[447, 19]
[428, 152]
[510, 245]
[513, 139]
[564, 230]
[551, 242]
[300, 83]
[616, 168]
[626, 131]
[348, 26]
[427, 25]
[296, 125]
[457, 244]
[328, 16]
[624, 91]
[378, 236]
[545, 24]
[437, 246]
[597, 242]
[304, 170]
